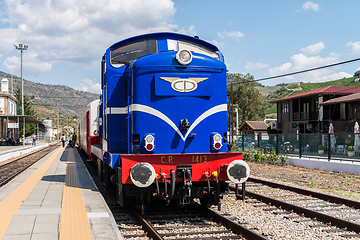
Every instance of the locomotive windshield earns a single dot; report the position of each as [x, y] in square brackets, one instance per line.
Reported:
[197, 49]
[125, 54]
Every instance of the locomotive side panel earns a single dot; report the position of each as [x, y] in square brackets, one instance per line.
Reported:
[115, 97]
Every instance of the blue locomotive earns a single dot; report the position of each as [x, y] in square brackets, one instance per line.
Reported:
[162, 121]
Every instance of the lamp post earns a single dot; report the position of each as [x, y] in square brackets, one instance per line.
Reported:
[22, 47]
[57, 104]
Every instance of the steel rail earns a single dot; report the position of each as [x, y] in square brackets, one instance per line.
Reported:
[233, 226]
[323, 196]
[18, 158]
[307, 212]
[8, 179]
[147, 227]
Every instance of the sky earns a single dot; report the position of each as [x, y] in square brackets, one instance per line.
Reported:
[67, 38]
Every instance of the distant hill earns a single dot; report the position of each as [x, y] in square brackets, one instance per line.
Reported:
[44, 98]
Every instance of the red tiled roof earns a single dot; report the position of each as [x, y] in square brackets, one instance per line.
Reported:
[255, 125]
[349, 98]
[329, 90]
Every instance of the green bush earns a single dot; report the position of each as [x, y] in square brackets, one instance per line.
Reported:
[297, 146]
[351, 148]
[283, 159]
[272, 157]
[321, 147]
[247, 155]
[258, 156]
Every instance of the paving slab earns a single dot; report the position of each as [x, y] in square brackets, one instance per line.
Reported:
[39, 216]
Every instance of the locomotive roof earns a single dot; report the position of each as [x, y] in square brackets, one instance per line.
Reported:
[165, 35]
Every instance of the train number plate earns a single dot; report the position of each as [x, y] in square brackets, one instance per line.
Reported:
[177, 159]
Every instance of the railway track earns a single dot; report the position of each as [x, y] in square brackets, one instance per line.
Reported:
[172, 222]
[179, 223]
[309, 206]
[11, 168]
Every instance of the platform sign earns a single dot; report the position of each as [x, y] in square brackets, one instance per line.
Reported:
[13, 125]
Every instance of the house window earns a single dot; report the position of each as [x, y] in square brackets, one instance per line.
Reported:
[285, 108]
[306, 107]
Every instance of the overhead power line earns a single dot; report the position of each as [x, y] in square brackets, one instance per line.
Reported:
[303, 71]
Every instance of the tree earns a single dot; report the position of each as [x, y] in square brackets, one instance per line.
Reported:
[248, 98]
[357, 74]
[28, 110]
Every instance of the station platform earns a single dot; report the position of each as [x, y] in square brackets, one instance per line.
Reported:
[55, 199]
[7, 152]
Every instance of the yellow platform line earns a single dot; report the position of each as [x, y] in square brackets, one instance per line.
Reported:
[74, 223]
[11, 204]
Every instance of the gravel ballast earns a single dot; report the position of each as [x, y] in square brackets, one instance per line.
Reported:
[288, 226]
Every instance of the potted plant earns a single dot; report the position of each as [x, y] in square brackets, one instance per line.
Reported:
[321, 149]
[351, 151]
[296, 150]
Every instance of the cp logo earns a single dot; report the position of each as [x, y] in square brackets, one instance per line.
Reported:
[183, 84]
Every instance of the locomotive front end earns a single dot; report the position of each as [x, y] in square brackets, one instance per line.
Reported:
[170, 120]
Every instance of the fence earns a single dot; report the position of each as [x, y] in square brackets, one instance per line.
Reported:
[312, 145]
[41, 138]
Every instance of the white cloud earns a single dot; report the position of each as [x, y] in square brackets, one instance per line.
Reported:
[313, 49]
[334, 54]
[234, 35]
[89, 85]
[31, 64]
[191, 30]
[218, 44]
[78, 31]
[335, 76]
[311, 6]
[253, 66]
[355, 47]
[301, 62]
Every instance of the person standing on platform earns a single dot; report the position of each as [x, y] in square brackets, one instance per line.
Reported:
[63, 140]
[73, 140]
[34, 139]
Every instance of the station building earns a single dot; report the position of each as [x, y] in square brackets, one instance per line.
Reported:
[9, 120]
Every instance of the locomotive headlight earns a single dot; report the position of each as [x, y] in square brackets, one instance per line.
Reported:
[142, 174]
[149, 142]
[216, 141]
[238, 171]
[184, 57]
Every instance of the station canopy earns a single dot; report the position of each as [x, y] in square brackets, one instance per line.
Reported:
[28, 118]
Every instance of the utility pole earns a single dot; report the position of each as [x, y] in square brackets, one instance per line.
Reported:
[232, 113]
[237, 118]
[22, 47]
[58, 130]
